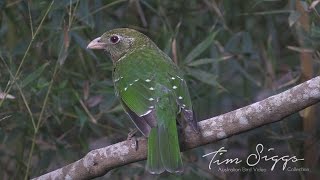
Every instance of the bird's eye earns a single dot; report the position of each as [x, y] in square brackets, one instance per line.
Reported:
[114, 39]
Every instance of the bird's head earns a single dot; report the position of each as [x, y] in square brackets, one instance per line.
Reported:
[118, 42]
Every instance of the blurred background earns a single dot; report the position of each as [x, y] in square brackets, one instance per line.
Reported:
[60, 100]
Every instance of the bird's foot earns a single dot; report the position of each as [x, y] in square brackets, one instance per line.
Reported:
[131, 134]
[131, 137]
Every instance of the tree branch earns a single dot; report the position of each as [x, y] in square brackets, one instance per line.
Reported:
[98, 162]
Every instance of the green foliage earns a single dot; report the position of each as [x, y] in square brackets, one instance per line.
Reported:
[61, 103]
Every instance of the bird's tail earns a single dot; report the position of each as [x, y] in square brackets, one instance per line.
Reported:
[163, 142]
[163, 151]
[154, 163]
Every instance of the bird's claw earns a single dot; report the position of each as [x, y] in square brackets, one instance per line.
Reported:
[131, 136]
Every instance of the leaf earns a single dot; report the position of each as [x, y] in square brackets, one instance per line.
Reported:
[201, 61]
[293, 18]
[233, 44]
[42, 82]
[246, 74]
[315, 31]
[86, 90]
[206, 61]
[83, 14]
[34, 75]
[205, 77]
[7, 96]
[241, 42]
[247, 46]
[117, 108]
[66, 42]
[94, 101]
[82, 117]
[201, 47]
[82, 43]
[301, 49]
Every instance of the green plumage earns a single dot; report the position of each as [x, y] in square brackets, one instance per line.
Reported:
[152, 91]
[137, 78]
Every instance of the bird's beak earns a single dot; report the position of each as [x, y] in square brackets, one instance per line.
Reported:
[96, 44]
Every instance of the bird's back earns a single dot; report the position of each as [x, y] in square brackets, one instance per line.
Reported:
[137, 74]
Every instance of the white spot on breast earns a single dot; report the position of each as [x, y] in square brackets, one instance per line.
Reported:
[180, 97]
[173, 78]
[146, 113]
[151, 99]
[174, 87]
[151, 88]
[148, 80]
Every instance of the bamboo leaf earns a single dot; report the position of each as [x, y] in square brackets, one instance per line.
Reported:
[6, 96]
[205, 77]
[203, 61]
[81, 116]
[201, 47]
[34, 75]
[293, 18]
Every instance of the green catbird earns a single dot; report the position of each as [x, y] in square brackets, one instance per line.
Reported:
[152, 91]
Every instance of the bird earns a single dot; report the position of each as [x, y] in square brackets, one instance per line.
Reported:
[152, 91]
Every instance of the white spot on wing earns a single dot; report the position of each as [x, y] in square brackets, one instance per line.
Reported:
[148, 80]
[180, 97]
[146, 113]
[151, 107]
[174, 87]
[122, 57]
[151, 88]
[180, 78]
[125, 88]
[136, 80]
[130, 84]
[173, 78]
[151, 99]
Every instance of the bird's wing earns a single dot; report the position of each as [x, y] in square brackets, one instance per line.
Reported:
[135, 78]
[184, 100]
